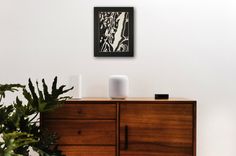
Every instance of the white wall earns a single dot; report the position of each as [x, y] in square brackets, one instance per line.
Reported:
[185, 48]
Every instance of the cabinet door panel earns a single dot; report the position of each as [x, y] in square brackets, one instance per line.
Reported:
[88, 150]
[83, 132]
[156, 129]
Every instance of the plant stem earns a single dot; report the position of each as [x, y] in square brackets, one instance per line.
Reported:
[1, 98]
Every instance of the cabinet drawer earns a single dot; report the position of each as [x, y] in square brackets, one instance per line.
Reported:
[83, 132]
[88, 150]
[83, 111]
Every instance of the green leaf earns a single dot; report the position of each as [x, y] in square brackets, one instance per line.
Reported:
[45, 90]
[9, 87]
[15, 140]
[45, 101]
[54, 85]
[42, 106]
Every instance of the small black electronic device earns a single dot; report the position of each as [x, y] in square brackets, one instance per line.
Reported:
[161, 96]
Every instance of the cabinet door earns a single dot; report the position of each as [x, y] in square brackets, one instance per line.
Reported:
[156, 129]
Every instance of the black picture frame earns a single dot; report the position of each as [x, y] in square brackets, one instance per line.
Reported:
[113, 31]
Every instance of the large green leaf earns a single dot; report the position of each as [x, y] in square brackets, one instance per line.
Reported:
[9, 87]
[14, 140]
[45, 101]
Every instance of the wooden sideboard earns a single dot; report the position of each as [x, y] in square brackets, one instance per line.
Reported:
[131, 127]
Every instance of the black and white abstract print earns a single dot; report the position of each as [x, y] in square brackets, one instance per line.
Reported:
[113, 31]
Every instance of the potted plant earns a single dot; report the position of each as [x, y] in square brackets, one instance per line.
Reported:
[19, 123]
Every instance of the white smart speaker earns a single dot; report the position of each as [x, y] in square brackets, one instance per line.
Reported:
[118, 86]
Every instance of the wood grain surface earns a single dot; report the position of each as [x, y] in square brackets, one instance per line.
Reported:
[125, 127]
[88, 150]
[83, 132]
[156, 129]
[83, 111]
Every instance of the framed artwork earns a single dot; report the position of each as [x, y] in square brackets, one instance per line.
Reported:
[113, 31]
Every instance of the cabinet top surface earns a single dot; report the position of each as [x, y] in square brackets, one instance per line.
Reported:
[129, 99]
